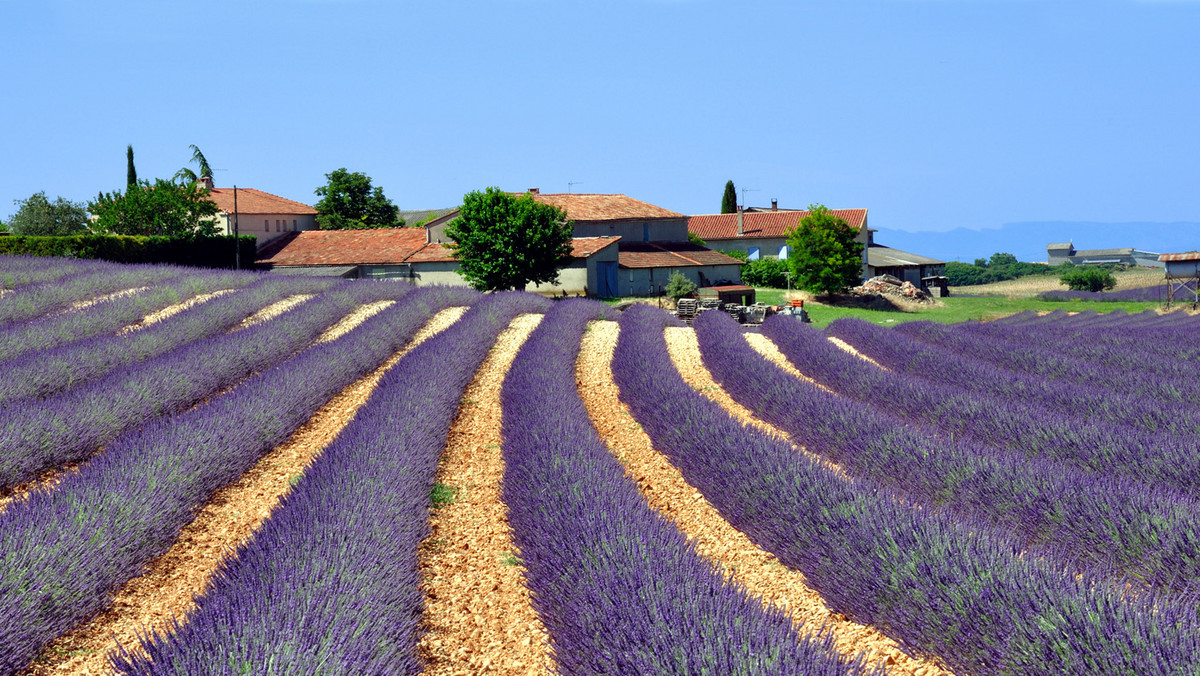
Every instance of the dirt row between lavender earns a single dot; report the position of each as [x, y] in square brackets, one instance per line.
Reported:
[167, 588]
[667, 491]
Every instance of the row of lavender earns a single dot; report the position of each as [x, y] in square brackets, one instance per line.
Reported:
[956, 588]
[38, 434]
[331, 584]
[39, 373]
[619, 589]
[1151, 294]
[66, 549]
[951, 459]
[35, 299]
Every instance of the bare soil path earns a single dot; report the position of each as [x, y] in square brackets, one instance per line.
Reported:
[167, 588]
[667, 491]
[478, 612]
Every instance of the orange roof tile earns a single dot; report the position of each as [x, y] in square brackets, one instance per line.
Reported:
[581, 247]
[251, 201]
[669, 255]
[586, 207]
[762, 223]
[348, 247]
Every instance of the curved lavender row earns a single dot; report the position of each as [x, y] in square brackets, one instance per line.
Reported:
[18, 271]
[35, 300]
[1147, 534]
[39, 434]
[1165, 461]
[114, 314]
[620, 590]
[1143, 343]
[63, 553]
[340, 551]
[1138, 372]
[902, 353]
[1151, 294]
[935, 584]
[51, 371]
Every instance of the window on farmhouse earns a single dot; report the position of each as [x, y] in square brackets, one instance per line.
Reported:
[266, 225]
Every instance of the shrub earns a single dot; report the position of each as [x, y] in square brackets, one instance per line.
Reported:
[679, 286]
[766, 272]
[1088, 279]
[207, 252]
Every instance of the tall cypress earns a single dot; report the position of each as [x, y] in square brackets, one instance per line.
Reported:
[130, 172]
[729, 199]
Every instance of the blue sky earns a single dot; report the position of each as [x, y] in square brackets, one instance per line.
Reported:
[933, 114]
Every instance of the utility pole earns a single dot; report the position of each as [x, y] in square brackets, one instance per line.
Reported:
[237, 245]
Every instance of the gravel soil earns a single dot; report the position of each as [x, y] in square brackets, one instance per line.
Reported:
[272, 311]
[478, 612]
[666, 490]
[166, 589]
[171, 310]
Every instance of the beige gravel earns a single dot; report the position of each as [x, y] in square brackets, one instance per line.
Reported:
[171, 310]
[768, 349]
[273, 310]
[353, 319]
[666, 490]
[478, 612]
[166, 589]
[850, 348]
[108, 296]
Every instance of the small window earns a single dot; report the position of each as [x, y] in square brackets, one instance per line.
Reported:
[753, 253]
[294, 226]
[266, 225]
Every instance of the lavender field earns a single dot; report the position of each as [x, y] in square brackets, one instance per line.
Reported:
[210, 472]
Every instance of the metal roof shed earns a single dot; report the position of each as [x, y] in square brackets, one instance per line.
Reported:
[1183, 276]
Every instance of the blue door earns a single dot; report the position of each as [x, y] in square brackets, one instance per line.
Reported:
[606, 279]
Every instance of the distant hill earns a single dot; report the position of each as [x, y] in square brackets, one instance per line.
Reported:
[1028, 240]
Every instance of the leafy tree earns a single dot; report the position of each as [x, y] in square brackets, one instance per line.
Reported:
[1088, 279]
[825, 256]
[770, 273]
[679, 286]
[695, 239]
[505, 242]
[164, 208]
[742, 256]
[965, 274]
[1001, 259]
[186, 175]
[349, 202]
[729, 199]
[130, 171]
[39, 216]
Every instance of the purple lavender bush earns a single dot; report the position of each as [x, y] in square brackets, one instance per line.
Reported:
[35, 300]
[42, 374]
[39, 434]
[111, 315]
[66, 550]
[949, 588]
[331, 583]
[619, 589]
[1049, 507]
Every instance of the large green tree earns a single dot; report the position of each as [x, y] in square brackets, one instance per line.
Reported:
[729, 199]
[348, 201]
[505, 242]
[165, 208]
[825, 256]
[39, 216]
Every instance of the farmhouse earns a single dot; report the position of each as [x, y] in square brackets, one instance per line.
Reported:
[621, 247]
[1062, 252]
[261, 214]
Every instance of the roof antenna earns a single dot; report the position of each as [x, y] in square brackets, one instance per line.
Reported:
[572, 184]
[744, 191]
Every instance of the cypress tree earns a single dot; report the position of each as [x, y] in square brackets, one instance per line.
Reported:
[729, 200]
[130, 172]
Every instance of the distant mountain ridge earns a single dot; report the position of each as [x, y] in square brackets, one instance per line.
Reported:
[1027, 240]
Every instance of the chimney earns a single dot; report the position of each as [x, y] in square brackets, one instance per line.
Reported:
[775, 205]
[206, 182]
[741, 218]
[534, 191]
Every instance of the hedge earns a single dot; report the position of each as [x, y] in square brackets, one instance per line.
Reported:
[206, 252]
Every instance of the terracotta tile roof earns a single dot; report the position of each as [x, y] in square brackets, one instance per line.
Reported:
[251, 201]
[762, 223]
[581, 247]
[585, 207]
[347, 247]
[669, 255]
[379, 247]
